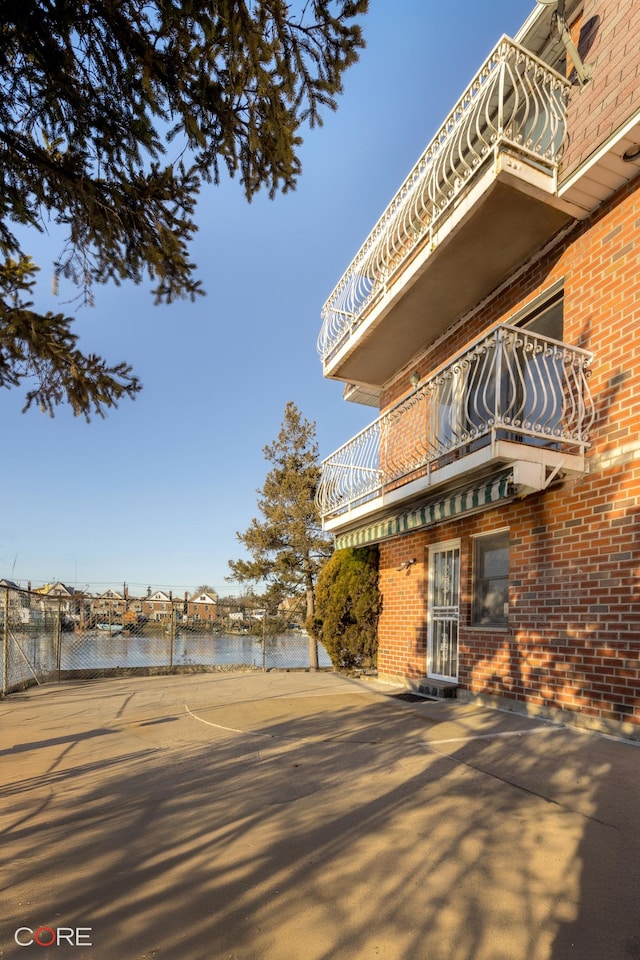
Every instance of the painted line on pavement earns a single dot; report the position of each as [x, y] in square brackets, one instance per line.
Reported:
[219, 726]
[245, 733]
[496, 736]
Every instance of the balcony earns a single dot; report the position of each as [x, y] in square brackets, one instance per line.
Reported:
[482, 198]
[514, 400]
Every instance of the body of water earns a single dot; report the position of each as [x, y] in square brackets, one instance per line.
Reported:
[97, 650]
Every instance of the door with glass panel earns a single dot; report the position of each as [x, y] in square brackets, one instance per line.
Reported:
[444, 610]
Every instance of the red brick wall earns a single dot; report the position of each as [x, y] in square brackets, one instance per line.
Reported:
[610, 43]
[203, 611]
[573, 640]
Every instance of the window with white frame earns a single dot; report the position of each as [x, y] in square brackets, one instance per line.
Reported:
[534, 370]
[491, 580]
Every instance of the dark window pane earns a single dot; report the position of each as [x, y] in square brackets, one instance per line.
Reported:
[491, 580]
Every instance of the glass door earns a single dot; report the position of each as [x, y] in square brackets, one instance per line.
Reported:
[444, 610]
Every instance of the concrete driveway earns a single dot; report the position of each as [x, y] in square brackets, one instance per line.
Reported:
[299, 816]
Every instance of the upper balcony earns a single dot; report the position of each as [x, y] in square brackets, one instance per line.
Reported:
[514, 400]
[481, 199]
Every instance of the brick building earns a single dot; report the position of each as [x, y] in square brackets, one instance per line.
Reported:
[157, 605]
[203, 606]
[109, 605]
[492, 316]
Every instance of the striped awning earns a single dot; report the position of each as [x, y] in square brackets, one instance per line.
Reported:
[491, 490]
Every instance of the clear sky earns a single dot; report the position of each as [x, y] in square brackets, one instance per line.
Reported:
[154, 494]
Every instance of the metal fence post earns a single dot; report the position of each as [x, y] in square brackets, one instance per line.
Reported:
[172, 635]
[5, 644]
[58, 637]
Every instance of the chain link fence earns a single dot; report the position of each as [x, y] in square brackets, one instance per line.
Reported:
[48, 638]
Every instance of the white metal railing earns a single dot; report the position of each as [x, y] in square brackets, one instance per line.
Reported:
[515, 100]
[512, 384]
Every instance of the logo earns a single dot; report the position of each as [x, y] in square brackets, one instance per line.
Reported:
[53, 937]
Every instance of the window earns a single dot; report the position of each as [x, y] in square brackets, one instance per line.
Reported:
[521, 387]
[534, 369]
[491, 580]
[548, 320]
[543, 373]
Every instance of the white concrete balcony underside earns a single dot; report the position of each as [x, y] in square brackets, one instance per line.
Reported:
[479, 202]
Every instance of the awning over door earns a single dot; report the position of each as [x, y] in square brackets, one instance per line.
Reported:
[485, 493]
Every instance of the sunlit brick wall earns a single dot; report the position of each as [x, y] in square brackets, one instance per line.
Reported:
[609, 42]
[574, 627]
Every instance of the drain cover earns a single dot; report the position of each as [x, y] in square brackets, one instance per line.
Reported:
[410, 697]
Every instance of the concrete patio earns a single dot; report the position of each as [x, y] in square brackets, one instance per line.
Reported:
[301, 816]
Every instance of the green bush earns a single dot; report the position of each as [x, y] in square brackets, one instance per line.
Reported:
[347, 608]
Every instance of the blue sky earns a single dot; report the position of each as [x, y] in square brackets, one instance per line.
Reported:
[154, 494]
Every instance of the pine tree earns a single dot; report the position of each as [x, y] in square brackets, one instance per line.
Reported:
[287, 546]
[112, 115]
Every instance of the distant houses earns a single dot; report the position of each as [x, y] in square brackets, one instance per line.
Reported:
[203, 607]
[16, 603]
[108, 604]
[82, 607]
[157, 606]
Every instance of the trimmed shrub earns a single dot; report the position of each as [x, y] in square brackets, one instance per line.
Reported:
[347, 608]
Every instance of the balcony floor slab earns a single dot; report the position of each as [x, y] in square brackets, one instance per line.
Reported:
[495, 227]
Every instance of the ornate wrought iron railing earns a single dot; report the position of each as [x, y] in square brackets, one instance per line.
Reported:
[516, 101]
[512, 384]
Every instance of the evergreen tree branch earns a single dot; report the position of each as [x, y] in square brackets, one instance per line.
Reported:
[43, 348]
[94, 94]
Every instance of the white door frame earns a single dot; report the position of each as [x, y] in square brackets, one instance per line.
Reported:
[443, 610]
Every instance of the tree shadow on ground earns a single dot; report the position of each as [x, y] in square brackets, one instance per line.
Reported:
[323, 825]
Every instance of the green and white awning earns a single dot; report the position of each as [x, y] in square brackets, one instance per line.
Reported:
[491, 490]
